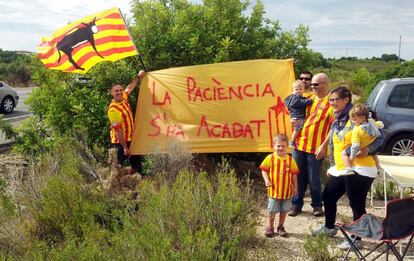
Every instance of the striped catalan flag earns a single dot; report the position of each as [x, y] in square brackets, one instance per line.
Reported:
[77, 47]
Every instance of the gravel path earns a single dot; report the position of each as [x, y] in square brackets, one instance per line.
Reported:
[299, 228]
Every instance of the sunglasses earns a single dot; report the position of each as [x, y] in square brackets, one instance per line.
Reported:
[304, 79]
[335, 99]
[316, 83]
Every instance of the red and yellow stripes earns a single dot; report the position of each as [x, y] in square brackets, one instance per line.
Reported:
[126, 121]
[317, 125]
[112, 41]
[280, 171]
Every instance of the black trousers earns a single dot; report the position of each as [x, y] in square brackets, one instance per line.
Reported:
[356, 188]
[134, 160]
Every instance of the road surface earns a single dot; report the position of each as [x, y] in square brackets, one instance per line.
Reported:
[20, 113]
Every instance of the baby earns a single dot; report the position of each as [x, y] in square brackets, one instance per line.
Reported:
[366, 130]
[296, 105]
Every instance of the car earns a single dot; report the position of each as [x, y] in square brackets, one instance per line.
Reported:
[392, 102]
[8, 98]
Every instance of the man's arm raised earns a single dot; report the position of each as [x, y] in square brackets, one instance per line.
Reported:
[131, 86]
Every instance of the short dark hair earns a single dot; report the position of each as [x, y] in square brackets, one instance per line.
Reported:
[113, 85]
[306, 72]
[343, 92]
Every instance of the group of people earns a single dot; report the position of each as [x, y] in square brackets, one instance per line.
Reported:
[322, 121]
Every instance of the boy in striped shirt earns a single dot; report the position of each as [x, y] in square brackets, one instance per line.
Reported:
[279, 171]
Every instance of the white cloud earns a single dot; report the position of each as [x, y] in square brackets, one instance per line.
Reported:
[23, 22]
[367, 28]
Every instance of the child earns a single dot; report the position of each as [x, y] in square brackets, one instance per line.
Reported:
[366, 130]
[279, 171]
[296, 105]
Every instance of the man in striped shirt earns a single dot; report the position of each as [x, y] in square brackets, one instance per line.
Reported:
[311, 146]
[122, 124]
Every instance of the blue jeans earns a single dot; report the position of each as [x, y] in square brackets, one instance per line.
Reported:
[309, 174]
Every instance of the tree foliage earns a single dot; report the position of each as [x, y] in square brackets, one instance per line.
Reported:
[68, 107]
[173, 33]
[362, 78]
[398, 70]
[389, 57]
[14, 68]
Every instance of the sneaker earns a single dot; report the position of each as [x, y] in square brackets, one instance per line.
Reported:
[269, 232]
[281, 231]
[294, 211]
[322, 230]
[318, 211]
[292, 144]
[345, 245]
[347, 172]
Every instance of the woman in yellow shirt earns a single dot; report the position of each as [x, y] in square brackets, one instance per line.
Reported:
[355, 186]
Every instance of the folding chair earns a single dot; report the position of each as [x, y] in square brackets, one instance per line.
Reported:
[398, 224]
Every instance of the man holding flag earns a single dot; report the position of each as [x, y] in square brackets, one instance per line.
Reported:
[79, 46]
[122, 125]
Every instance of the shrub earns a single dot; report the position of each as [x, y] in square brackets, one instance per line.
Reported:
[393, 192]
[321, 248]
[64, 215]
[362, 79]
[195, 218]
[168, 164]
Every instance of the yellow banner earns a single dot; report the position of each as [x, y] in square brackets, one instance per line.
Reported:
[225, 107]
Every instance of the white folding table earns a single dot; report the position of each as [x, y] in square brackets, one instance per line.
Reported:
[400, 169]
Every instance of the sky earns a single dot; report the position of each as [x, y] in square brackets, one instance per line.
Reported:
[337, 28]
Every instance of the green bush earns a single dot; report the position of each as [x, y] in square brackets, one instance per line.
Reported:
[14, 68]
[64, 216]
[194, 219]
[361, 80]
[321, 248]
[168, 164]
[393, 192]
[197, 218]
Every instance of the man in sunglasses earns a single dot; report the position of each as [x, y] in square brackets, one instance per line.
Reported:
[306, 77]
[309, 151]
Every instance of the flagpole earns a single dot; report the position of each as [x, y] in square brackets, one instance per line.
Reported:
[132, 40]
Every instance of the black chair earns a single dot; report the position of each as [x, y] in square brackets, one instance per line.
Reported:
[398, 224]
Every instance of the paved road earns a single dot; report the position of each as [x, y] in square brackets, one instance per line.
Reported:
[21, 112]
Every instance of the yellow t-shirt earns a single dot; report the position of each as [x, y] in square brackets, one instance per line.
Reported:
[308, 94]
[361, 138]
[120, 117]
[280, 171]
[340, 144]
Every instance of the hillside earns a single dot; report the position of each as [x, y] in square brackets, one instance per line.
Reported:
[15, 68]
